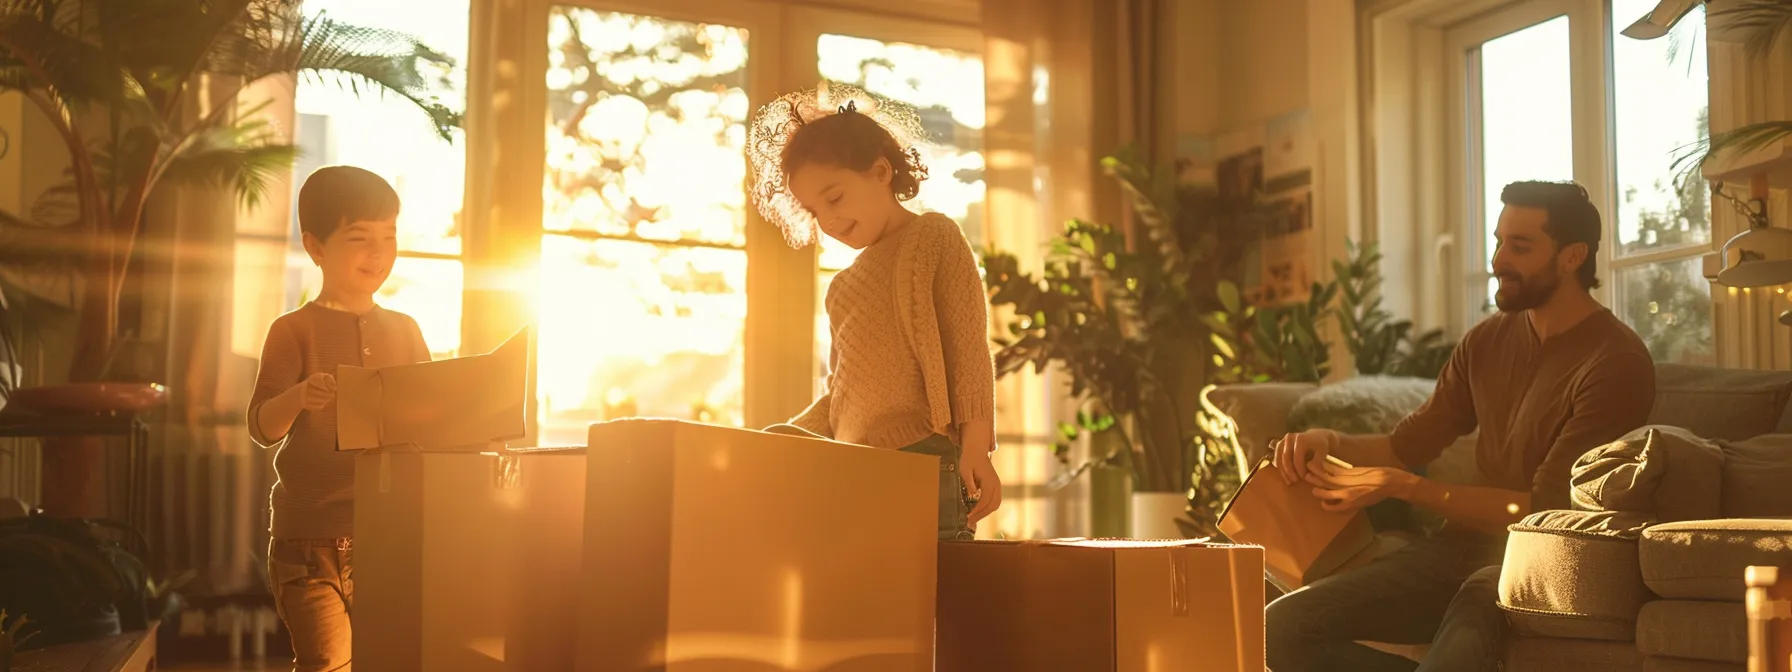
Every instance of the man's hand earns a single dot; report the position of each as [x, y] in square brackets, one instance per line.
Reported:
[317, 391]
[981, 483]
[1340, 489]
[1296, 454]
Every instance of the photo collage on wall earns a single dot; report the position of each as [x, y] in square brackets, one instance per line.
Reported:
[1273, 163]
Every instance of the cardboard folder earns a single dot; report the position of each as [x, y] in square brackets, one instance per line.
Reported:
[1302, 542]
[451, 405]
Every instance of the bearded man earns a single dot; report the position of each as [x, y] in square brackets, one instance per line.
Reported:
[1549, 377]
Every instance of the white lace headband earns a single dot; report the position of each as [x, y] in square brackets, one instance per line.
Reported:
[774, 124]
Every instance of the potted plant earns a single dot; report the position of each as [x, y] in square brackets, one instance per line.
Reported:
[1122, 321]
[122, 83]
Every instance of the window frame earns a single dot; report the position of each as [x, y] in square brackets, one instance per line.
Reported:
[1417, 46]
[503, 231]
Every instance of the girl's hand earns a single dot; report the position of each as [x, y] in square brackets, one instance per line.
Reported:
[981, 483]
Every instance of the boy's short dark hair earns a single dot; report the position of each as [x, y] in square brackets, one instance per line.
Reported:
[1572, 218]
[337, 195]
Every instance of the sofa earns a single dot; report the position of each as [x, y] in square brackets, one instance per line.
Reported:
[1646, 572]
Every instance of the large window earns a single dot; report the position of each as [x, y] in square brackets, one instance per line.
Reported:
[1551, 91]
[643, 264]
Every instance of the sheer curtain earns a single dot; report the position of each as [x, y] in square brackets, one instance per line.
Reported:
[1066, 83]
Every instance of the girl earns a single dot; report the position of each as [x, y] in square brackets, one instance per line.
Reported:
[910, 367]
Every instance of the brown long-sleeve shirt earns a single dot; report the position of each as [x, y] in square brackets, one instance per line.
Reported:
[1539, 405]
[313, 494]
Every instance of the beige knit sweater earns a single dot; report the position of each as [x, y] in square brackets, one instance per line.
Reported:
[910, 356]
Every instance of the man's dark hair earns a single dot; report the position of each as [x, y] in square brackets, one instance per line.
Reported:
[334, 196]
[1571, 218]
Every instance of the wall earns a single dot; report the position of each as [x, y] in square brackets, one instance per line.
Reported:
[1263, 69]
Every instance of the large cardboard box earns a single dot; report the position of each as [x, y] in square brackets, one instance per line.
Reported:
[1100, 606]
[467, 561]
[710, 549]
[1302, 542]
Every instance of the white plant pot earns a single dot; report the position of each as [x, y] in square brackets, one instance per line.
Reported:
[1154, 514]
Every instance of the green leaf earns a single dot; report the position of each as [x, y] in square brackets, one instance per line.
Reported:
[1228, 295]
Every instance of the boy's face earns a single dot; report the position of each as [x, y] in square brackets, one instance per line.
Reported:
[358, 255]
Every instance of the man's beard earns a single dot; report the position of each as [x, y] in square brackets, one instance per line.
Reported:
[1518, 293]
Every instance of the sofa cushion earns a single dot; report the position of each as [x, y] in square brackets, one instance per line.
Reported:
[1257, 412]
[1705, 559]
[1360, 405]
[1664, 664]
[1721, 403]
[1574, 574]
[1757, 472]
[1666, 472]
[1554, 654]
[1697, 629]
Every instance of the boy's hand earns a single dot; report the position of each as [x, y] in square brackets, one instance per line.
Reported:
[317, 391]
[981, 482]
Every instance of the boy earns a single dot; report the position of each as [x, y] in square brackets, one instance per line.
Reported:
[349, 220]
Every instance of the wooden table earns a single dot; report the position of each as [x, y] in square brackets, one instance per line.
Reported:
[130, 652]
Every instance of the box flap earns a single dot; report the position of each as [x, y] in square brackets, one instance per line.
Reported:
[461, 404]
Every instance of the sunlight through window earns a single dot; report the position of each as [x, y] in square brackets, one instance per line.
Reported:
[1526, 119]
[642, 303]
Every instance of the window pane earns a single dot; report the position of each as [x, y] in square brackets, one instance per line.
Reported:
[642, 328]
[646, 127]
[1669, 306]
[388, 135]
[1660, 86]
[946, 88]
[1526, 118]
[428, 290]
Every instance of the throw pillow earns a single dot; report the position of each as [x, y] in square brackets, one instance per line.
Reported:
[1756, 475]
[1666, 472]
[1362, 405]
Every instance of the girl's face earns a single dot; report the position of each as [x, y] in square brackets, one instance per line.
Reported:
[851, 206]
[358, 256]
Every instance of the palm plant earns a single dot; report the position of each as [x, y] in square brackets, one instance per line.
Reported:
[145, 93]
[1760, 24]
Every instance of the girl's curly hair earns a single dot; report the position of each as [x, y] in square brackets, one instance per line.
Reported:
[836, 125]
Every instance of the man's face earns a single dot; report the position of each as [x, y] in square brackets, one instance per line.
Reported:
[1527, 262]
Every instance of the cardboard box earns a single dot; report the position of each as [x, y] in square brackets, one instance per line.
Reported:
[1302, 542]
[1100, 606]
[716, 549]
[466, 561]
[462, 404]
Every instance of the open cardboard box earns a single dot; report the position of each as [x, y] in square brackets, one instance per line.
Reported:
[1302, 542]
[463, 404]
[1100, 606]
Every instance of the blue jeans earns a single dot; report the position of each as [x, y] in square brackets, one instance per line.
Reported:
[1441, 590]
[955, 503]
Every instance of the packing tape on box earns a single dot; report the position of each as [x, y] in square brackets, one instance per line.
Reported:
[507, 472]
[1178, 582]
[385, 471]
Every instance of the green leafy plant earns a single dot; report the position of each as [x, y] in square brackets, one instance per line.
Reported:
[1275, 343]
[1761, 24]
[1379, 343]
[1117, 317]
